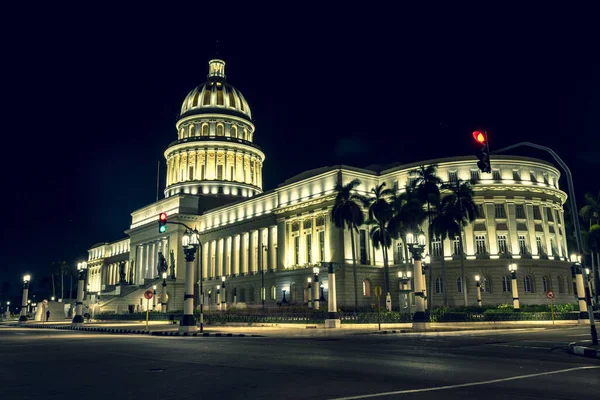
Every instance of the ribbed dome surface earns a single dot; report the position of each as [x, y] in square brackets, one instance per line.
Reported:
[215, 94]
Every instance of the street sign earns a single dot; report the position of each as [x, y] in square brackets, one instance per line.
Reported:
[378, 291]
[148, 294]
[550, 294]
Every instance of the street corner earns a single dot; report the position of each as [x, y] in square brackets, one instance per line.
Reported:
[585, 351]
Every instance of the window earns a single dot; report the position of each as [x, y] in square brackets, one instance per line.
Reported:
[366, 288]
[206, 101]
[552, 247]
[363, 246]
[480, 244]
[220, 97]
[475, 175]
[546, 179]
[322, 245]
[502, 244]
[220, 172]
[538, 243]
[439, 286]
[220, 190]
[532, 177]
[522, 245]
[549, 214]
[480, 211]
[506, 284]
[459, 288]
[205, 130]
[233, 131]
[452, 176]
[309, 248]
[296, 250]
[436, 248]
[499, 211]
[486, 284]
[273, 293]
[220, 130]
[536, 212]
[520, 209]
[456, 246]
[496, 175]
[231, 100]
[546, 283]
[561, 284]
[528, 284]
[516, 175]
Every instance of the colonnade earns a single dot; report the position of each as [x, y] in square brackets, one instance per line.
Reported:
[238, 255]
[147, 259]
[214, 164]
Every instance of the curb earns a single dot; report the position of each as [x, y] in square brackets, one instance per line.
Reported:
[583, 351]
[203, 334]
[88, 329]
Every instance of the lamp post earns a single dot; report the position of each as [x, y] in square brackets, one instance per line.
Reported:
[219, 297]
[316, 288]
[310, 294]
[190, 242]
[416, 245]
[512, 267]
[404, 300]
[224, 295]
[153, 297]
[78, 318]
[26, 280]
[426, 264]
[98, 301]
[478, 283]
[283, 301]
[262, 279]
[163, 296]
[333, 320]
[580, 284]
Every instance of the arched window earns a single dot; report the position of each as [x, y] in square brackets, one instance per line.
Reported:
[366, 288]
[233, 131]
[506, 285]
[528, 284]
[273, 292]
[486, 284]
[220, 130]
[561, 284]
[205, 130]
[192, 130]
[439, 285]
[459, 285]
[231, 100]
[546, 283]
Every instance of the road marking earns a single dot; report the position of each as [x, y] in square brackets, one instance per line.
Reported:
[522, 347]
[585, 334]
[512, 378]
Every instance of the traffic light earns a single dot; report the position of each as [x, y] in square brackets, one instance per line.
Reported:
[484, 152]
[162, 222]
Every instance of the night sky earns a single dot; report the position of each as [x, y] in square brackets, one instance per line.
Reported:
[91, 98]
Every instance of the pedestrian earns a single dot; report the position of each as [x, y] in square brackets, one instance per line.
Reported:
[47, 315]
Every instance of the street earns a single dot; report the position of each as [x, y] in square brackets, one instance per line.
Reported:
[520, 363]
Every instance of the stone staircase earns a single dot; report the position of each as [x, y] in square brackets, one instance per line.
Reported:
[131, 298]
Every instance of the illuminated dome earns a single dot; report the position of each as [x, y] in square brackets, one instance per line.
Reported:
[216, 96]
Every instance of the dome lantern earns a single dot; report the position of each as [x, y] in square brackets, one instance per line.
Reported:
[216, 69]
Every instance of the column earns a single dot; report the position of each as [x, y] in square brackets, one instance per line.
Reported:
[531, 229]
[205, 259]
[251, 253]
[235, 255]
[546, 240]
[219, 258]
[260, 260]
[242, 258]
[490, 222]
[281, 244]
[270, 248]
[512, 228]
[332, 320]
[209, 251]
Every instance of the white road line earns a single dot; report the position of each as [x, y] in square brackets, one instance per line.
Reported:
[513, 378]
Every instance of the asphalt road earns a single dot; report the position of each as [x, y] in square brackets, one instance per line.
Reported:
[516, 364]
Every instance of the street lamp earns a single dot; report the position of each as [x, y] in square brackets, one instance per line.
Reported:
[219, 297]
[404, 300]
[310, 294]
[7, 309]
[190, 242]
[512, 267]
[416, 245]
[316, 288]
[478, 283]
[52, 298]
[262, 278]
[154, 298]
[163, 296]
[26, 280]
[283, 301]
[78, 318]
[224, 295]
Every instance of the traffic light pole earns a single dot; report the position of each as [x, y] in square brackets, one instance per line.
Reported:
[575, 221]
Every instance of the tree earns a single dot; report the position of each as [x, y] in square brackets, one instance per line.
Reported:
[380, 213]
[444, 226]
[591, 210]
[347, 213]
[461, 208]
[427, 185]
[407, 215]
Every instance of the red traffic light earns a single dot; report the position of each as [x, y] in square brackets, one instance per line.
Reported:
[479, 136]
[162, 216]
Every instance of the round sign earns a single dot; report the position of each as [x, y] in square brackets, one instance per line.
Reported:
[550, 294]
[148, 294]
[378, 291]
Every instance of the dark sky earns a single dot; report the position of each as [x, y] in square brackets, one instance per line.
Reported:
[91, 97]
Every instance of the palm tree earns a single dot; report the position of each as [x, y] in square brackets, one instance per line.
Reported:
[427, 185]
[347, 213]
[407, 215]
[462, 209]
[444, 226]
[591, 211]
[380, 213]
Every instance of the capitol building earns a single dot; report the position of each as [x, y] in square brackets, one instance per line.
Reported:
[268, 242]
